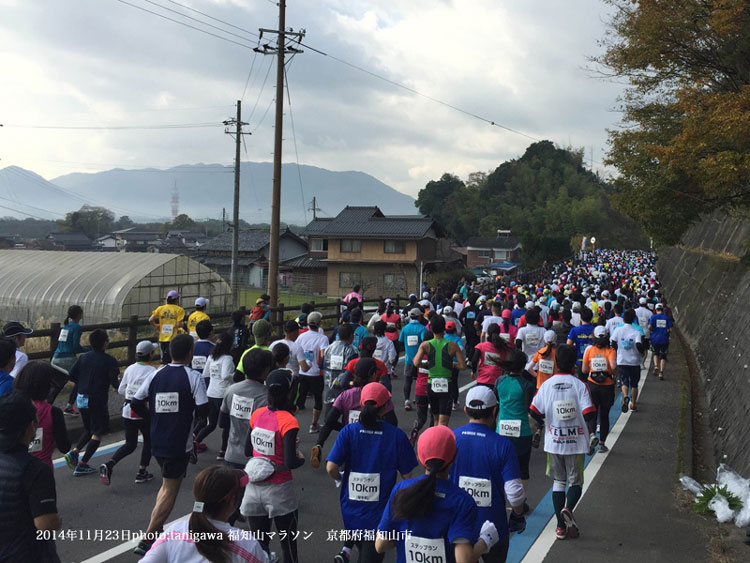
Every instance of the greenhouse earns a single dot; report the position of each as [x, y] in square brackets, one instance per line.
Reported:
[37, 286]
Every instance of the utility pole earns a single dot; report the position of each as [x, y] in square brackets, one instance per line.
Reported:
[314, 208]
[236, 211]
[280, 50]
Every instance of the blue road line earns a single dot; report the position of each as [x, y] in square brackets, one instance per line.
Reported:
[101, 451]
[537, 520]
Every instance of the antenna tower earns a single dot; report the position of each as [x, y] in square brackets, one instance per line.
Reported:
[175, 201]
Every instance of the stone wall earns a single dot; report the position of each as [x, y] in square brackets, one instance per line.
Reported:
[708, 289]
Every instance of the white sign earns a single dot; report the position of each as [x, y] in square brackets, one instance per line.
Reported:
[661, 323]
[378, 355]
[440, 385]
[599, 363]
[264, 441]
[479, 489]
[199, 362]
[565, 410]
[354, 416]
[547, 366]
[36, 443]
[424, 550]
[167, 329]
[242, 407]
[509, 428]
[364, 487]
[167, 403]
[63, 335]
[337, 362]
[412, 340]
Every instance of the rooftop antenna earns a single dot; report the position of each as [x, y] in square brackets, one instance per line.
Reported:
[175, 201]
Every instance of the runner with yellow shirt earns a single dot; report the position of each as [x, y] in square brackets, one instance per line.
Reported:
[168, 319]
[197, 316]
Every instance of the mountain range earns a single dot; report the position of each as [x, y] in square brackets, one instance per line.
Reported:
[203, 191]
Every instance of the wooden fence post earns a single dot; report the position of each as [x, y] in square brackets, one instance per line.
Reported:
[132, 338]
[53, 337]
[280, 320]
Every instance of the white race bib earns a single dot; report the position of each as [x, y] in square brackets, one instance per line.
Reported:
[547, 366]
[505, 336]
[167, 403]
[36, 443]
[492, 359]
[63, 335]
[242, 407]
[199, 362]
[194, 335]
[509, 428]
[364, 487]
[599, 363]
[565, 410]
[440, 385]
[412, 340]
[215, 371]
[167, 329]
[479, 489]
[532, 340]
[337, 362]
[130, 391]
[354, 416]
[424, 550]
[378, 355]
[264, 441]
[661, 323]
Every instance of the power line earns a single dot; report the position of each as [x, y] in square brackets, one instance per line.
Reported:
[33, 207]
[24, 213]
[115, 127]
[196, 20]
[257, 100]
[294, 136]
[265, 113]
[247, 80]
[215, 19]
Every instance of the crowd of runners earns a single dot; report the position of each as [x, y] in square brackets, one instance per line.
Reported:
[546, 358]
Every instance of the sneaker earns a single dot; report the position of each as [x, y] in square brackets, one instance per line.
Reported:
[314, 429]
[143, 547]
[570, 523]
[536, 439]
[526, 509]
[602, 448]
[633, 407]
[341, 557]
[83, 469]
[143, 476]
[407, 405]
[220, 455]
[625, 403]
[71, 458]
[413, 437]
[105, 473]
[455, 405]
[273, 558]
[200, 448]
[661, 376]
[70, 411]
[593, 442]
[193, 454]
[315, 457]
[561, 533]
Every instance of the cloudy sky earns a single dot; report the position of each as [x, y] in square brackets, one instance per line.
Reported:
[102, 63]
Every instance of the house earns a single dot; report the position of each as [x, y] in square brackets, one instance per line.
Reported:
[488, 252]
[189, 240]
[304, 275]
[384, 255]
[69, 241]
[253, 252]
[133, 240]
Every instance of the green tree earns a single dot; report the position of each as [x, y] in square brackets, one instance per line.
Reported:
[123, 222]
[92, 221]
[181, 223]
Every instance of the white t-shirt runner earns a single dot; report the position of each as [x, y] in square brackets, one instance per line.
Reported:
[296, 355]
[312, 344]
[563, 400]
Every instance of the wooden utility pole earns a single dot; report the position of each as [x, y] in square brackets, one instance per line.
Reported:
[234, 271]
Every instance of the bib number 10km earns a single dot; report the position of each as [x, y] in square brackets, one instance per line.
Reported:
[424, 550]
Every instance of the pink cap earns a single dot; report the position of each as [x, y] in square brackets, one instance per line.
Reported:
[506, 314]
[374, 392]
[450, 325]
[437, 442]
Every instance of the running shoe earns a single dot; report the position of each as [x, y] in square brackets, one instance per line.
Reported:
[341, 557]
[315, 456]
[220, 455]
[561, 533]
[193, 453]
[83, 469]
[602, 448]
[455, 405]
[661, 376]
[593, 442]
[143, 547]
[105, 474]
[200, 448]
[570, 523]
[413, 437]
[625, 403]
[407, 405]
[314, 429]
[143, 476]
[536, 439]
[70, 411]
[633, 407]
[71, 458]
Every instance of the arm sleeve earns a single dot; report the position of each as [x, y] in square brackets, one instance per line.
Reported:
[290, 450]
[331, 423]
[59, 430]
[123, 383]
[77, 348]
[114, 374]
[475, 359]
[39, 488]
[75, 371]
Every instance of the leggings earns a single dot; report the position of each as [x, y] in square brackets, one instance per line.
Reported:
[367, 553]
[453, 385]
[214, 406]
[422, 405]
[603, 397]
[287, 523]
[313, 384]
[410, 374]
[132, 427]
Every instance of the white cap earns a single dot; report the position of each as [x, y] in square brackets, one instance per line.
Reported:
[144, 348]
[426, 295]
[483, 298]
[550, 336]
[447, 309]
[642, 301]
[529, 304]
[481, 397]
[599, 331]
[576, 306]
[605, 293]
[201, 302]
[314, 318]
[388, 300]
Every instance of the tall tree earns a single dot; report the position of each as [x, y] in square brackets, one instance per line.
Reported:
[92, 221]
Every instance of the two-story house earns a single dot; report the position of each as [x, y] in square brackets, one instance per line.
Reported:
[485, 252]
[384, 255]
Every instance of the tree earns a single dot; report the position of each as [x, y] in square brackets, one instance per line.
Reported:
[123, 222]
[181, 223]
[684, 149]
[92, 221]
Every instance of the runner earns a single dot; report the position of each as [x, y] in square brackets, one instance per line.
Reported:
[94, 372]
[530, 338]
[599, 364]
[495, 318]
[202, 348]
[68, 346]
[168, 319]
[411, 338]
[270, 494]
[296, 355]
[372, 452]
[393, 325]
[17, 333]
[564, 405]
[258, 312]
[313, 344]
[467, 317]
[132, 380]
[354, 293]
[643, 315]
[542, 364]
[171, 397]
[615, 320]
[335, 358]
[197, 316]
[240, 335]
[486, 467]
[385, 351]
[262, 336]
[627, 341]
[439, 353]
[582, 336]
[451, 334]
[450, 315]
[432, 514]
[491, 357]
[360, 331]
[661, 328]
[217, 491]
[7, 361]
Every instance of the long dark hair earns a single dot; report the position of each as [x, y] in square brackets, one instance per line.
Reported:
[369, 415]
[364, 372]
[280, 355]
[35, 380]
[498, 342]
[602, 341]
[416, 501]
[223, 346]
[74, 312]
[213, 486]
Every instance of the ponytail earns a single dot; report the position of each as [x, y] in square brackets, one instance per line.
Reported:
[369, 416]
[416, 501]
[499, 343]
[602, 341]
[74, 312]
[547, 351]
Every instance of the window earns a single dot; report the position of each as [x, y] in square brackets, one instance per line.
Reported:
[484, 253]
[394, 281]
[394, 247]
[350, 279]
[501, 255]
[318, 245]
[348, 245]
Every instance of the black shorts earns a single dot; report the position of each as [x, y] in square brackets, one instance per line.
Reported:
[660, 350]
[95, 419]
[173, 467]
[630, 376]
[440, 403]
[646, 342]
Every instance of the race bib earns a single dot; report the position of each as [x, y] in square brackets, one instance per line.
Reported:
[532, 340]
[661, 323]
[491, 359]
[309, 357]
[412, 340]
[364, 487]
[565, 410]
[505, 336]
[215, 371]
[63, 335]
[167, 329]
[440, 385]
[242, 407]
[547, 366]
[264, 441]
[199, 362]
[599, 363]
[424, 550]
[354, 416]
[130, 391]
[651, 306]
[82, 401]
[471, 315]
[509, 428]
[194, 335]
[378, 355]
[479, 489]
[36, 443]
[337, 362]
[167, 403]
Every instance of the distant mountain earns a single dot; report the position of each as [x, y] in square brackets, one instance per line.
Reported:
[204, 189]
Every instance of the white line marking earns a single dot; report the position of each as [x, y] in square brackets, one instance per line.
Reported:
[467, 386]
[102, 449]
[547, 539]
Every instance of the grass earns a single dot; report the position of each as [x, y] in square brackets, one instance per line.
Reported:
[249, 296]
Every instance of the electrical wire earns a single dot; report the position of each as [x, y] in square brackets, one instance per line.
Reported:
[115, 127]
[33, 207]
[262, 87]
[215, 19]
[264, 116]
[196, 20]
[249, 74]
[294, 136]
[24, 213]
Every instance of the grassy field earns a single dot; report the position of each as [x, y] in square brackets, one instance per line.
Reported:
[249, 296]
